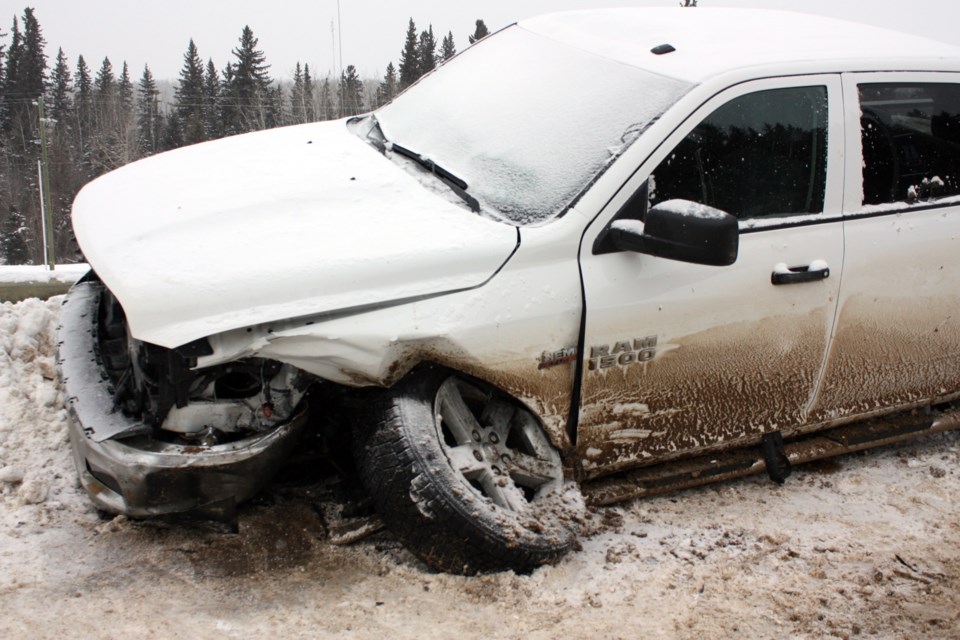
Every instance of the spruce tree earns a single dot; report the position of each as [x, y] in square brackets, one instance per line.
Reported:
[409, 58]
[15, 237]
[212, 90]
[351, 92]
[24, 82]
[189, 97]
[276, 113]
[14, 53]
[149, 123]
[297, 114]
[427, 51]
[448, 49]
[327, 109]
[26, 68]
[61, 103]
[479, 32]
[247, 93]
[25, 76]
[83, 103]
[388, 87]
[33, 64]
[104, 112]
[125, 92]
[309, 107]
[172, 137]
[111, 143]
[105, 83]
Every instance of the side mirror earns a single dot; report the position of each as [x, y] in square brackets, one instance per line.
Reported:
[681, 230]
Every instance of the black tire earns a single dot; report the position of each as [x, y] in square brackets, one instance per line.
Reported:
[491, 515]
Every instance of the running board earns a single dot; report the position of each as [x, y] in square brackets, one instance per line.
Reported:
[737, 463]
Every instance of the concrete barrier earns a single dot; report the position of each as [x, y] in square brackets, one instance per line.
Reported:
[19, 282]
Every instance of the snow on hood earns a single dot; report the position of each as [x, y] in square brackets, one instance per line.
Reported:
[276, 224]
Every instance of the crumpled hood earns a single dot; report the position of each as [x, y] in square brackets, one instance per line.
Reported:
[277, 224]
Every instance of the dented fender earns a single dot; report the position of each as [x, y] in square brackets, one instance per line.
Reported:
[499, 332]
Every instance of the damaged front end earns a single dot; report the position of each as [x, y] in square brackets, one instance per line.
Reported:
[153, 435]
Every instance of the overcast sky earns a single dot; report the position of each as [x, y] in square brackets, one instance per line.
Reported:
[157, 32]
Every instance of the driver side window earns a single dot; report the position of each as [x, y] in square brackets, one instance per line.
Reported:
[762, 154]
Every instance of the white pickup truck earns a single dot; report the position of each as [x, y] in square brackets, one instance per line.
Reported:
[625, 250]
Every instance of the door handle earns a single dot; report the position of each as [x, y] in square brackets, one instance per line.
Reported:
[816, 270]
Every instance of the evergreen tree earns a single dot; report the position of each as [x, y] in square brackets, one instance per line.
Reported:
[301, 97]
[83, 102]
[351, 92]
[427, 51]
[13, 61]
[479, 32]
[24, 82]
[14, 237]
[149, 120]
[308, 101]
[33, 64]
[247, 95]
[297, 114]
[61, 104]
[327, 109]
[227, 111]
[388, 87]
[189, 97]
[172, 137]
[125, 91]
[25, 75]
[104, 91]
[26, 68]
[112, 142]
[211, 102]
[105, 84]
[409, 58]
[276, 114]
[448, 49]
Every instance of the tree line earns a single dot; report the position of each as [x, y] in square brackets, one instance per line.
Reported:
[97, 121]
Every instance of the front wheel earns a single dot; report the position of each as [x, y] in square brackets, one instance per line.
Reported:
[466, 477]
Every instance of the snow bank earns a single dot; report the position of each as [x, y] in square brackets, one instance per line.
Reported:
[37, 477]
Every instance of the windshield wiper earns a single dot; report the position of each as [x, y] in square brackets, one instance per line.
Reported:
[430, 165]
[457, 184]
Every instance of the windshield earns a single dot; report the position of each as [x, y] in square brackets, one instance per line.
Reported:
[525, 121]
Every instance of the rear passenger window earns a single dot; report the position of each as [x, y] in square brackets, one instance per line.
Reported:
[911, 141]
[761, 154]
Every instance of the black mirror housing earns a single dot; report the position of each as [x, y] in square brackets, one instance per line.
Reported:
[681, 230]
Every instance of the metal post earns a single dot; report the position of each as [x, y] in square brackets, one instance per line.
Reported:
[43, 213]
[46, 209]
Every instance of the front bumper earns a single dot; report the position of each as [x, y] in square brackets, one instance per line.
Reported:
[123, 467]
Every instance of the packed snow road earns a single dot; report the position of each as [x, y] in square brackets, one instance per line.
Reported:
[866, 545]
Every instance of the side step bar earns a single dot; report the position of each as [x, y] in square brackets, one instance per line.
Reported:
[737, 463]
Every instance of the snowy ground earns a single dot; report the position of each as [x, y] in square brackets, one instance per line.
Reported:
[864, 546]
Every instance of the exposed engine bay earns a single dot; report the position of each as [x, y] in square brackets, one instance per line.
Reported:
[160, 388]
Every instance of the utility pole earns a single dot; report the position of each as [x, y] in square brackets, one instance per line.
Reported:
[333, 48]
[340, 37]
[46, 209]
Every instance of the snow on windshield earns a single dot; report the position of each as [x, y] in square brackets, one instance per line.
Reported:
[527, 121]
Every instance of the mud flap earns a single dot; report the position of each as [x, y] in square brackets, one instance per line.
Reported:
[775, 457]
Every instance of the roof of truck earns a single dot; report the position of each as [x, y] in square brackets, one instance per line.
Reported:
[712, 41]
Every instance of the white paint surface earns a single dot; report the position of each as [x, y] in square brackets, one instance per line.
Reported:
[272, 225]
